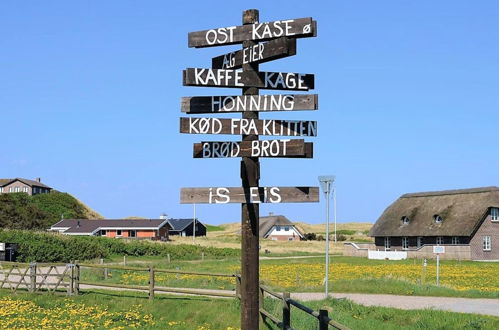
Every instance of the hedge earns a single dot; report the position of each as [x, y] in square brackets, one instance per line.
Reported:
[54, 247]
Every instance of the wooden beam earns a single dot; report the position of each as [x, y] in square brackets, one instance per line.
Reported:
[269, 102]
[297, 148]
[252, 195]
[200, 77]
[259, 53]
[294, 28]
[192, 125]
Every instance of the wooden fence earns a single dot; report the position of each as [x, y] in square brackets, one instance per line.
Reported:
[36, 277]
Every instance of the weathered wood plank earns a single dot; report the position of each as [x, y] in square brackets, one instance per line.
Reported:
[259, 148]
[226, 104]
[235, 126]
[253, 195]
[259, 53]
[200, 77]
[295, 28]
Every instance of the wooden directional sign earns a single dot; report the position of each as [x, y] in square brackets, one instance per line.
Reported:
[248, 126]
[226, 104]
[295, 28]
[253, 195]
[238, 79]
[257, 148]
[259, 53]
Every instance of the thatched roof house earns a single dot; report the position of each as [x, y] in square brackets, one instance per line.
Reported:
[466, 216]
[278, 227]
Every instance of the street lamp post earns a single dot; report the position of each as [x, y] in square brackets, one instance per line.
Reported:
[326, 183]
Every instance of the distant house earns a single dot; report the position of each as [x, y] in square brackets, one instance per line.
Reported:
[31, 187]
[156, 229]
[465, 221]
[184, 227]
[279, 228]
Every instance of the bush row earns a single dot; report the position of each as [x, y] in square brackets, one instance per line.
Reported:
[53, 247]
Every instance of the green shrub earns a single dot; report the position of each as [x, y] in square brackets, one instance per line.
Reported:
[53, 247]
[22, 211]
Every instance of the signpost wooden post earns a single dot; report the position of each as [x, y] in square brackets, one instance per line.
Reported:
[261, 42]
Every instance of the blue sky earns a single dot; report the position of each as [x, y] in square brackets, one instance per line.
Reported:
[90, 92]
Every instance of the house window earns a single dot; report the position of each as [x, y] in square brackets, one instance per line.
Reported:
[437, 218]
[1, 189]
[17, 189]
[286, 228]
[11, 189]
[25, 189]
[387, 243]
[494, 212]
[132, 233]
[405, 243]
[487, 244]
[405, 220]
[290, 238]
[274, 238]
[118, 233]
[420, 241]
[278, 228]
[440, 240]
[103, 233]
[455, 240]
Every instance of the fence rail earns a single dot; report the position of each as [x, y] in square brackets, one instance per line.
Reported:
[50, 277]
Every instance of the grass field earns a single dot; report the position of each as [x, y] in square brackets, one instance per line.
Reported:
[119, 310]
[227, 236]
[347, 274]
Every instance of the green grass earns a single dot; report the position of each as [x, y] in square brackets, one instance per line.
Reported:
[232, 265]
[197, 312]
[210, 228]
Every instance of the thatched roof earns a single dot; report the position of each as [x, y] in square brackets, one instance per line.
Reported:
[266, 223]
[461, 210]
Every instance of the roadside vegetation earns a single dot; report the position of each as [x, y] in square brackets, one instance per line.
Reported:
[53, 247]
[118, 310]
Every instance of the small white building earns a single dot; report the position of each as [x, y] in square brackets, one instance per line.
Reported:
[279, 228]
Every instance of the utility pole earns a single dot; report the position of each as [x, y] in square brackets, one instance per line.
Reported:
[194, 225]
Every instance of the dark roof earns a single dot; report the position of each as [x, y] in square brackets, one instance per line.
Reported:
[181, 224]
[462, 212]
[90, 226]
[266, 223]
[31, 183]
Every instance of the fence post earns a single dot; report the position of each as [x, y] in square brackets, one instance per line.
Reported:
[260, 297]
[71, 278]
[286, 311]
[323, 319]
[105, 269]
[32, 277]
[151, 282]
[238, 286]
[124, 260]
[168, 257]
[77, 280]
[202, 256]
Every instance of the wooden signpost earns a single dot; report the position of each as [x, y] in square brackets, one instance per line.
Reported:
[260, 53]
[228, 104]
[243, 126]
[261, 42]
[239, 79]
[297, 148]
